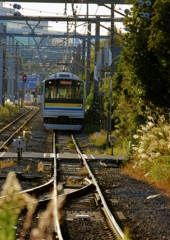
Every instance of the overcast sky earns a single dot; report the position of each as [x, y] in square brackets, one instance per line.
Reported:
[54, 9]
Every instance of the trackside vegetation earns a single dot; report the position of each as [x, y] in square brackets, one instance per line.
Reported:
[140, 96]
[8, 112]
[150, 154]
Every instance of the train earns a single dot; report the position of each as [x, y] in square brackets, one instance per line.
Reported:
[63, 101]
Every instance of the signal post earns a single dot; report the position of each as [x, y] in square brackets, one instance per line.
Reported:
[24, 79]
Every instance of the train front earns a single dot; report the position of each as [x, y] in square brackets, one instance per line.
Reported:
[64, 103]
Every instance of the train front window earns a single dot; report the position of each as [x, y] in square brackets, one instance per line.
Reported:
[64, 89]
[50, 90]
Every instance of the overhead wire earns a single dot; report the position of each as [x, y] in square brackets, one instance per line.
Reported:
[35, 10]
[69, 28]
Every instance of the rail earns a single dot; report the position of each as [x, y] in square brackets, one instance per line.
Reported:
[19, 129]
[55, 196]
[114, 225]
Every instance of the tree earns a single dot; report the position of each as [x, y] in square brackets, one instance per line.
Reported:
[142, 79]
[147, 49]
[159, 44]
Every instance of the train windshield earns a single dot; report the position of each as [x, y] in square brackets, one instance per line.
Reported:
[64, 89]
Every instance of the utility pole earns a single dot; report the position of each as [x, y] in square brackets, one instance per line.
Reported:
[96, 83]
[88, 59]
[112, 68]
[16, 74]
[102, 115]
[2, 62]
[83, 56]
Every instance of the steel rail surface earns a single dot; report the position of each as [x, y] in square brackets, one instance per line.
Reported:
[109, 215]
[55, 196]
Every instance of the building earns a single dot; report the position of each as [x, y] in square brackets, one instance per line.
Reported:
[28, 48]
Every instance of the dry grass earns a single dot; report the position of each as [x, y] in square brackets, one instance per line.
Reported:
[99, 139]
[83, 171]
[40, 167]
[27, 169]
[14, 202]
[11, 206]
[150, 159]
[7, 163]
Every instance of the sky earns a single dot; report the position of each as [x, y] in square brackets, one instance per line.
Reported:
[51, 9]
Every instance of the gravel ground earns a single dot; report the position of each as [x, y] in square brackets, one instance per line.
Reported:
[142, 208]
[146, 209]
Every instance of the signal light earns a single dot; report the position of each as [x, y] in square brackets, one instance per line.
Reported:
[24, 78]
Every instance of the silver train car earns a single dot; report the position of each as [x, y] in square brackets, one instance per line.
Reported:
[63, 104]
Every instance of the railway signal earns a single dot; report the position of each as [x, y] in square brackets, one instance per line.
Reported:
[24, 78]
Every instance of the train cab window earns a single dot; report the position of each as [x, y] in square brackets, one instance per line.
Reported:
[64, 89]
[50, 90]
[71, 89]
[50, 93]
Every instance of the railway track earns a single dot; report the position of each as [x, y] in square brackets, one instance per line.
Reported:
[78, 208]
[131, 202]
[85, 211]
[8, 133]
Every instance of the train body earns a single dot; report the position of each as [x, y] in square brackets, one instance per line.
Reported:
[63, 104]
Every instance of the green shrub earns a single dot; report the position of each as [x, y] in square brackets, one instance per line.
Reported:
[99, 139]
[4, 114]
[12, 108]
[8, 113]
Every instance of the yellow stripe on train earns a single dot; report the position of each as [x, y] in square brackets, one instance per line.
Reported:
[79, 105]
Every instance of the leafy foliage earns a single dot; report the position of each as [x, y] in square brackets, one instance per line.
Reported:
[141, 85]
[92, 117]
[8, 112]
[148, 60]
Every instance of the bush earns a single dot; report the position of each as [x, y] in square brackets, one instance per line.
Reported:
[12, 108]
[8, 113]
[99, 139]
[4, 114]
